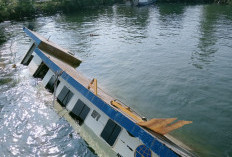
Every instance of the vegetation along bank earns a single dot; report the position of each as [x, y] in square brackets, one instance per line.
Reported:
[18, 9]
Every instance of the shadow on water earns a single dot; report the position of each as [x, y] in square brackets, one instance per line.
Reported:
[209, 34]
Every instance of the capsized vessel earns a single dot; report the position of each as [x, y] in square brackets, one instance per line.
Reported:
[117, 125]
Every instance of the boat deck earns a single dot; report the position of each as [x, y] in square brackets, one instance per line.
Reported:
[85, 82]
[167, 138]
[67, 62]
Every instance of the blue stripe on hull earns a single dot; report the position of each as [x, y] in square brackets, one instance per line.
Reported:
[156, 146]
[35, 38]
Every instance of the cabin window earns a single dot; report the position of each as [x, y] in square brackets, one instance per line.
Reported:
[29, 60]
[110, 132]
[65, 96]
[41, 71]
[80, 111]
[51, 84]
[95, 115]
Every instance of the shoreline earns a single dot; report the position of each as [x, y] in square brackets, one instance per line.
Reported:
[20, 10]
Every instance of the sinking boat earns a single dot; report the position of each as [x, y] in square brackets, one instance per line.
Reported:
[117, 125]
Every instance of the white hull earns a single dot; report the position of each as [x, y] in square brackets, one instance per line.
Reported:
[108, 123]
[124, 145]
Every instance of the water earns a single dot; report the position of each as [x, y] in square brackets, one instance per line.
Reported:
[168, 60]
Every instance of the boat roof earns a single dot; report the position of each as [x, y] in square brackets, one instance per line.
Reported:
[53, 49]
[160, 144]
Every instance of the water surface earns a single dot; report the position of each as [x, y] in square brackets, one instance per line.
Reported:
[168, 60]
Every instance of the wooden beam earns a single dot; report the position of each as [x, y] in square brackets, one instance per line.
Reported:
[163, 126]
[53, 49]
[154, 124]
[127, 111]
[93, 85]
[174, 126]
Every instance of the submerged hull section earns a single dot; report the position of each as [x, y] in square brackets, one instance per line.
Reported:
[116, 129]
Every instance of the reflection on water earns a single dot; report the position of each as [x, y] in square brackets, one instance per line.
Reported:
[210, 29]
[206, 47]
[132, 16]
[167, 60]
[171, 9]
[171, 18]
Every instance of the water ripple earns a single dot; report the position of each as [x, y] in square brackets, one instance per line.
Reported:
[24, 132]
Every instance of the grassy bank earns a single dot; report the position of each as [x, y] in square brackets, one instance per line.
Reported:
[12, 9]
[18, 9]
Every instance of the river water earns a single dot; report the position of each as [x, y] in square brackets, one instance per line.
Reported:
[167, 60]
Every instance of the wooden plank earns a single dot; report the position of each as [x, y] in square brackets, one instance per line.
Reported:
[51, 48]
[93, 85]
[157, 123]
[174, 126]
[162, 126]
[127, 111]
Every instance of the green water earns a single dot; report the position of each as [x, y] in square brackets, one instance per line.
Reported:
[167, 60]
